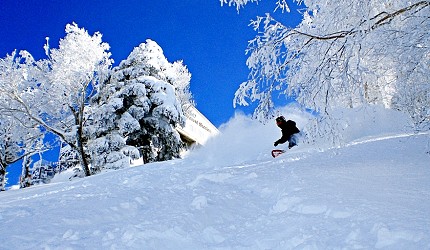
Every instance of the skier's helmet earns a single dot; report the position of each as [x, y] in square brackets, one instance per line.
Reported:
[280, 120]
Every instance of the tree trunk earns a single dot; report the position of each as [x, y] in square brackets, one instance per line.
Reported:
[82, 157]
[25, 180]
[78, 114]
[2, 177]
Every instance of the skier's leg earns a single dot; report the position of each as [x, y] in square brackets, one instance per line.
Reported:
[292, 141]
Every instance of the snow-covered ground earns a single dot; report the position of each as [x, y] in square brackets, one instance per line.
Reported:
[372, 193]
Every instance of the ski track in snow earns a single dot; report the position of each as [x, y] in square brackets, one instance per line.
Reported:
[386, 137]
[372, 194]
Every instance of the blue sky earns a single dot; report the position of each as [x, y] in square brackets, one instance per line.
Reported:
[210, 39]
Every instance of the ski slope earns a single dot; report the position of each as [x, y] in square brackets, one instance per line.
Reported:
[372, 193]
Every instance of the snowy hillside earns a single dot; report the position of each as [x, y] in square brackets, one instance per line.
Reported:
[372, 193]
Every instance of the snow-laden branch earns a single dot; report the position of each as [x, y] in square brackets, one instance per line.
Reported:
[344, 53]
[238, 3]
[280, 4]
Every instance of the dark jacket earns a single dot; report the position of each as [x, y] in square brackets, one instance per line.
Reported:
[288, 128]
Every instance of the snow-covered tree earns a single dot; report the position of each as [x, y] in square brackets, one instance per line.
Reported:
[75, 69]
[54, 92]
[106, 138]
[280, 4]
[16, 143]
[20, 136]
[9, 150]
[344, 53]
[179, 77]
[141, 106]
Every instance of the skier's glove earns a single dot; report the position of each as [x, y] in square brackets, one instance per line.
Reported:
[276, 143]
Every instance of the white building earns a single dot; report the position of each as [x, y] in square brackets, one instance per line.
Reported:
[198, 129]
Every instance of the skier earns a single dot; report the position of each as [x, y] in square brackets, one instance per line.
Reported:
[289, 132]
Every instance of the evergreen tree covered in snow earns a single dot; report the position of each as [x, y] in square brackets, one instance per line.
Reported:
[106, 139]
[140, 106]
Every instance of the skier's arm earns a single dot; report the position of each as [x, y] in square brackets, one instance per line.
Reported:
[283, 139]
